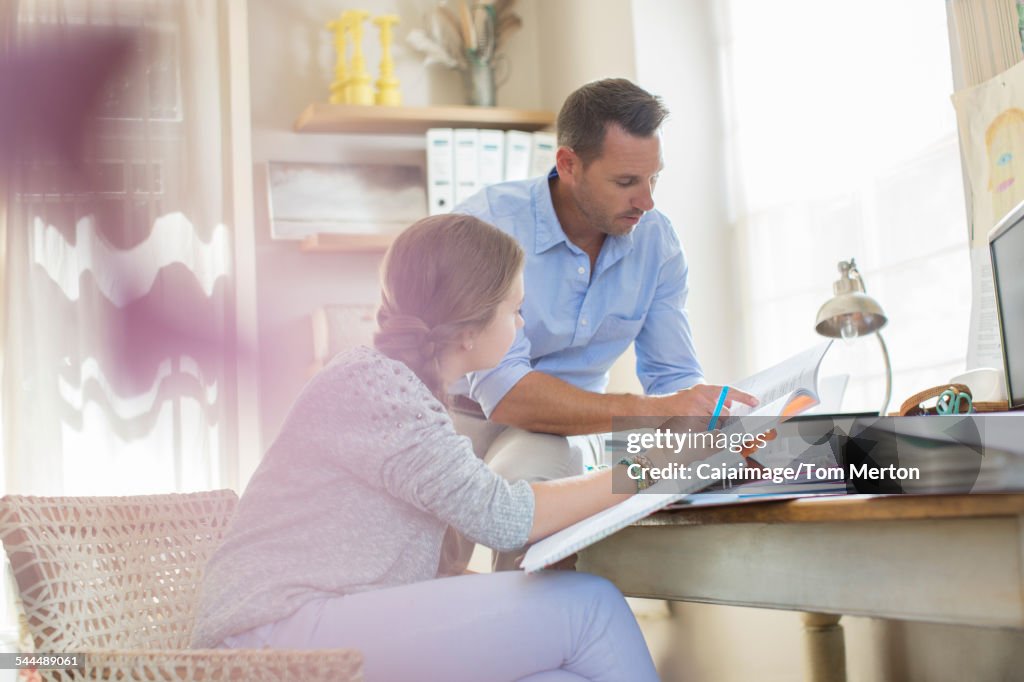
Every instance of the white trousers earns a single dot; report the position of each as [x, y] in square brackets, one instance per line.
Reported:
[555, 626]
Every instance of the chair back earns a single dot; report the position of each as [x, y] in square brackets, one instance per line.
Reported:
[112, 572]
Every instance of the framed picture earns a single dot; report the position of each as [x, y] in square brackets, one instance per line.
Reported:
[343, 198]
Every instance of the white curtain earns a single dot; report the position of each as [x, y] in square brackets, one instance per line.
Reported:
[843, 144]
[118, 327]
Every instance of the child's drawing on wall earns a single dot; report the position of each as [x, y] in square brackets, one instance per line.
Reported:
[1004, 144]
[990, 118]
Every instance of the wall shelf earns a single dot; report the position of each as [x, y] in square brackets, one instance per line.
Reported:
[350, 243]
[321, 117]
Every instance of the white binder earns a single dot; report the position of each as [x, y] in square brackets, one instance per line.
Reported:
[542, 153]
[467, 180]
[440, 170]
[490, 157]
[517, 155]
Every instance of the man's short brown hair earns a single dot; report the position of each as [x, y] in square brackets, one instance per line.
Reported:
[586, 113]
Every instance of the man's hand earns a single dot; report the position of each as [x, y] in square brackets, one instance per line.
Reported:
[700, 401]
[542, 403]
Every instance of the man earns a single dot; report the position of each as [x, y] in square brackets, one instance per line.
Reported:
[603, 269]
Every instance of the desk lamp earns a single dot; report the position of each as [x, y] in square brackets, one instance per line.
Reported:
[851, 313]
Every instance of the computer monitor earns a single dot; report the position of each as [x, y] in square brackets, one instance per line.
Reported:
[1006, 247]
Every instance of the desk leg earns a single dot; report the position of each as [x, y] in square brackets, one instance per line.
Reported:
[825, 650]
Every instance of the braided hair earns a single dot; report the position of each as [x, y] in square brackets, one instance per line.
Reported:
[442, 276]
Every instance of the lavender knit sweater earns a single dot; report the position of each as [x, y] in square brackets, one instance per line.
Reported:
[355, 494]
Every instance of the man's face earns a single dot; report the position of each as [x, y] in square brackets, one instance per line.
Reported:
[617, 188]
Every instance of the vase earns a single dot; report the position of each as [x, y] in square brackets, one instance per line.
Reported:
[479, 81]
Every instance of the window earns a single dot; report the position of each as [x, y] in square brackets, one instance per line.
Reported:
[119, 331]
[844, 144]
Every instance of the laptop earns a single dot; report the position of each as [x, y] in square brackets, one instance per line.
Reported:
[1006, 248]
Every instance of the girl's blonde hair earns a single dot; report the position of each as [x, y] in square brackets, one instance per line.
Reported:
[442, 276]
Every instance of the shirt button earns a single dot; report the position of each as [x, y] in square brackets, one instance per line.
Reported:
[584, 322]
[581, 270]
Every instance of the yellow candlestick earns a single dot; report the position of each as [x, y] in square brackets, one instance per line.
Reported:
[359, 90]
[339, 86]
[387, 85]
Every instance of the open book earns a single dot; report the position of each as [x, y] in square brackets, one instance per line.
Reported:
[784, 390]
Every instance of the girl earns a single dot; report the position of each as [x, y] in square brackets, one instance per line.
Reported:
[337, 537]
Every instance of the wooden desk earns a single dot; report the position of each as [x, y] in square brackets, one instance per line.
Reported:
[942, 559]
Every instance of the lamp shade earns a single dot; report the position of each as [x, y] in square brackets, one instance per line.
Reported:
[850, 314]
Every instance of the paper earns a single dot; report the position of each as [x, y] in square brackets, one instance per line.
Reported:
[831, 390]
[776, 385]
[785, 492]
[990, 117]
[983, 345]
[584, 533]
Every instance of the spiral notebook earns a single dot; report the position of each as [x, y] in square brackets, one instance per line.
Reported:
[556, 547]
[785, 390]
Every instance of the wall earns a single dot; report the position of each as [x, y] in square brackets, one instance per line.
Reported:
[291, 58]
[581, 41]
[580, 45]
[691, 190]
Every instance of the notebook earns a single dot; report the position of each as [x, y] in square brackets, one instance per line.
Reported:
[556, 547]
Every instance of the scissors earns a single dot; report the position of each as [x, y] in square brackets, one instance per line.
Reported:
[951, 400]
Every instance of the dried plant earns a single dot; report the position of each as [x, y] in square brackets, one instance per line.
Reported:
[466, 34]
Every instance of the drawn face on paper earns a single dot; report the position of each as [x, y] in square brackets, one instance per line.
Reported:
[1004, 142]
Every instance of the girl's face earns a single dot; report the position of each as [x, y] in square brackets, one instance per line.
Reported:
[490, 344]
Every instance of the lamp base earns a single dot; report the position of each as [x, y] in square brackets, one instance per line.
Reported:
[888, 375]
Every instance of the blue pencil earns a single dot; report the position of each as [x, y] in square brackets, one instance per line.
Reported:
[718, 408]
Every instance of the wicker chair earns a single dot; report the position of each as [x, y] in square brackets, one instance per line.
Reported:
[117, 578]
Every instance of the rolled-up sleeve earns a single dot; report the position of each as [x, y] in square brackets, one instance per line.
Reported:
[666, 360]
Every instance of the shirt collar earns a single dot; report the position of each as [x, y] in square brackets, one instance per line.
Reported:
[549, 232]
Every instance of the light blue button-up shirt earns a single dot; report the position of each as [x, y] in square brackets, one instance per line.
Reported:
[578, 322]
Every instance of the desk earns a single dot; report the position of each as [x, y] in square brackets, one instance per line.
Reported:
[942, 559]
